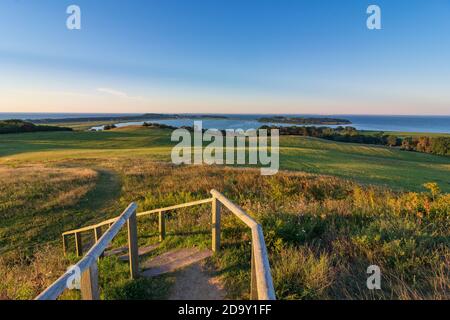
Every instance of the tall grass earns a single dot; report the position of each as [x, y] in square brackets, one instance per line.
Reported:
[322, 232]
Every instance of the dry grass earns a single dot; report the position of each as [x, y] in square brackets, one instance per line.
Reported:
[22, 277]
[47, 187]
[35, 198]
[322, 232]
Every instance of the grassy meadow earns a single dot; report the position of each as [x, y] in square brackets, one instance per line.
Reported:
[364, 163]
[335, 209]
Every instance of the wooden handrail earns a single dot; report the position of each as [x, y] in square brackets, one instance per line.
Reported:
[178, 206]
[140, 214]
[57, 288]
[260, 259]
[261, 279]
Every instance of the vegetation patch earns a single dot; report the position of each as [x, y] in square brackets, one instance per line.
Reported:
[439, 145]
[299, 120]
[19, 126]
[334, 227]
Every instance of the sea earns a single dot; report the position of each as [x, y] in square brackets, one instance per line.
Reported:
[403, 123]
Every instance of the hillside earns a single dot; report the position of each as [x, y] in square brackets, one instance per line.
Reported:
[365, 163]
[321, 232]
[333, 227]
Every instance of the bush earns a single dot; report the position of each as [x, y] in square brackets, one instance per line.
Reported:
[441, 146]
[109, 127]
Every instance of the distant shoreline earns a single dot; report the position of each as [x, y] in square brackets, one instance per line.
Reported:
[306, 120]
[146, 116]
[439, 124]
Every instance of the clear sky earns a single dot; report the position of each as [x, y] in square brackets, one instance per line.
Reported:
[225, 56]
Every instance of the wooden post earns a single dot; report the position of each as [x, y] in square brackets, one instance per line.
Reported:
[162, 226]
[133, 252]
[98, 234]
[253, 286]
[78, 244]
[89, 283]
[215, 225]
[65, 244]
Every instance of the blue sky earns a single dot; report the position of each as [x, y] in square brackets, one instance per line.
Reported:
[225, 56]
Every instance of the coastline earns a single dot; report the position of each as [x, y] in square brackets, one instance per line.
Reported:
[395, 124]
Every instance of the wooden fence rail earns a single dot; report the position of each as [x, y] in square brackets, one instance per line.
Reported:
[261, 284]
[261, 278]
[87, 266]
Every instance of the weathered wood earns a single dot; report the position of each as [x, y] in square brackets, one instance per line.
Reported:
[173, 260]
[241, 214]
[97, 234]
[264, 281]
[178, 206]
[263, 278]
[89, 283]
[65, 244]
[215, 225]
[133, 253]
[55, 290]
[78, 245]
[162, 226]
[254, 282]
[109, 222]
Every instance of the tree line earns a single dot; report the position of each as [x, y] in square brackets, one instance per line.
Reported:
[426, 144]
[19, 126]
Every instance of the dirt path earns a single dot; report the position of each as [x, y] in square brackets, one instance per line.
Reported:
[194, 283]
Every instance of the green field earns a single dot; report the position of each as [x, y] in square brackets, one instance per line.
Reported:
[364, 163]
[322, 229]
[403, 134]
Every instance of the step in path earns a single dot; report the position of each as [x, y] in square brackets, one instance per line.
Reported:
[122, 252]
[173, 260]
[192, 281]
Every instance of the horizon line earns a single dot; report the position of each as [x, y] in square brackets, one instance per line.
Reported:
[220, 113]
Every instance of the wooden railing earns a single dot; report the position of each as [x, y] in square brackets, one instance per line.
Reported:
[97, 228]
[261, 279]
[87, 267]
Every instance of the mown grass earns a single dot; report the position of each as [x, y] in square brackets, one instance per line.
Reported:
[322, 231]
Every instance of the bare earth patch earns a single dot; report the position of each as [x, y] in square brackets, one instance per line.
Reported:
[194, 283]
